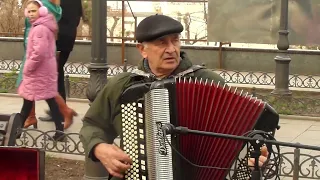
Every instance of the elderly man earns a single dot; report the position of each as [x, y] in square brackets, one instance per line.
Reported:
[159, 45]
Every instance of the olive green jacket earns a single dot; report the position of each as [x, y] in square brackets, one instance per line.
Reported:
[102, 122]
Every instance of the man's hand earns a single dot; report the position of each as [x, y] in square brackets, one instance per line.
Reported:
[262, 159]
[113, 158]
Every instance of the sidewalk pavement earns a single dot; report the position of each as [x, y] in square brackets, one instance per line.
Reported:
[293, 129]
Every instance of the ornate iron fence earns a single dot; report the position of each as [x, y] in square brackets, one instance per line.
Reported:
[298, 165]
[230, 76]
[306, 103]
[295, 105]
[39, 139]
[292, 164]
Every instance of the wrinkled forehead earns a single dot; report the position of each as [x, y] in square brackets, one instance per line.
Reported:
[168, 37]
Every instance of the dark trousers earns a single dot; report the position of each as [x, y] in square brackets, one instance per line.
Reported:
[56, 114]
[62, 59]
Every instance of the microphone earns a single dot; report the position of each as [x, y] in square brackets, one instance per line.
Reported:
[168, 128]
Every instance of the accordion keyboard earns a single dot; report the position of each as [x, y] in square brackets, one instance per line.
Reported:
[142, 138]
[133, 133]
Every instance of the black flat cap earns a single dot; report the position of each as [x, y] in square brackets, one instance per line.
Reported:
[156, 26]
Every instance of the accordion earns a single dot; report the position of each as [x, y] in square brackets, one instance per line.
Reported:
[195, 104]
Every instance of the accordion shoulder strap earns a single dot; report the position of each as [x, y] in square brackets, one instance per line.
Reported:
[141, 73]
[190, 70]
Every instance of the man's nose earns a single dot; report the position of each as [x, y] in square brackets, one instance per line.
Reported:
[170, 48]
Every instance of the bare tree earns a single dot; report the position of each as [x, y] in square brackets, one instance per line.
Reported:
[113, 27]
[194, 33]
[195, 25]
[187, 22]
[11, 17]
[87, 21]
[87, 17]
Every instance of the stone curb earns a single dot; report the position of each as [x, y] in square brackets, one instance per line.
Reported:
[295, 117]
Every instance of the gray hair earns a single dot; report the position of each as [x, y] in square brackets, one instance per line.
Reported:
[145, 44]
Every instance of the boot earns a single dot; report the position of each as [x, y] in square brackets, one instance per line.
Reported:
[67, 112]
[47, 117]
[59, 136]
[31, 120]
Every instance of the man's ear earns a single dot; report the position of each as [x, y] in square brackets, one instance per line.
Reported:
[142, 50]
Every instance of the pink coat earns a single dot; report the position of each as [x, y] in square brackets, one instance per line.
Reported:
[40, 71]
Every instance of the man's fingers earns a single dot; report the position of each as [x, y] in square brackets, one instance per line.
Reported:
[252, 161]
[263, 159]
[110, 166]
[121, 156]
[264, 151]
[120, 167]
[114, 159]
[116, 168]
[113, 173]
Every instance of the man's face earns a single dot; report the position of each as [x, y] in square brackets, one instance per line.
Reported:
[163, 54]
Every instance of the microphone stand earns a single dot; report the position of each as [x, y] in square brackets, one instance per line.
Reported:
[256, 142]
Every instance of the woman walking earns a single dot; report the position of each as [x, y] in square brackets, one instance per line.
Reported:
[39, 80]
[53, 7]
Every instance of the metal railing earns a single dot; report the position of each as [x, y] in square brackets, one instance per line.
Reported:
[292, 164]
[230, 76]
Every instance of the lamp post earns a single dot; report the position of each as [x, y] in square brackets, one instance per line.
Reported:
[98, 66]
[98, 75]
[282, 59]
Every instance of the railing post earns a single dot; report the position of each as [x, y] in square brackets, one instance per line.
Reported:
[283, 59]
[125, 69]
[296, 164]
[220, 53]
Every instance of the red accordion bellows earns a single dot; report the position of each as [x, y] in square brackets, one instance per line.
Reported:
[205, 106]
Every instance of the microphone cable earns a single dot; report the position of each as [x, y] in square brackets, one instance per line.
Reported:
[193, 164]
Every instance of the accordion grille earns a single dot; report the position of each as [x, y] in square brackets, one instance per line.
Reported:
[132, 136]
[159, 155]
